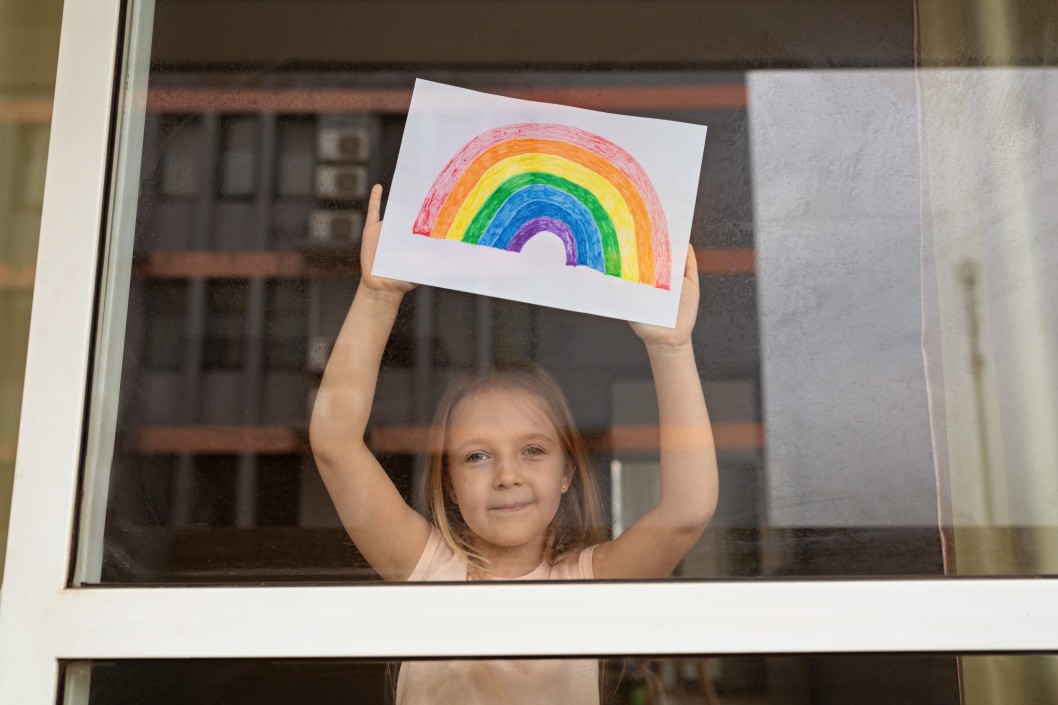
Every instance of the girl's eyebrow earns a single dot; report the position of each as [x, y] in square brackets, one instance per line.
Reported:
[475, 441]
[467, 442]
[537, 436]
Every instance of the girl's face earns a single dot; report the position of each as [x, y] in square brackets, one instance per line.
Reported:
[507, 468]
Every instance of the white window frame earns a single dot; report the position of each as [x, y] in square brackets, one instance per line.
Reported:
[44, 622]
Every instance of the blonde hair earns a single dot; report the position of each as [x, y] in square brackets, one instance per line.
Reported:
[578, 522]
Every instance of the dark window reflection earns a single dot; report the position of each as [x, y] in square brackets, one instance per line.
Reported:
[225, 341]
[180, 158]
[296, 157]
[256, 162]
[286, 325]
[164, 335]
[239, 152]
[279, 482]
[745, 680]
[213, 485]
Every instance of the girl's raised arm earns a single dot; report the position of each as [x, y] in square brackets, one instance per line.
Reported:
[390, 534]
[653, 546]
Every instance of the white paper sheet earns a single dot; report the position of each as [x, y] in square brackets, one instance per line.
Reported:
[571, 208]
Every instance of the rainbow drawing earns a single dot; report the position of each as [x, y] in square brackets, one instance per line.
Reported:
[511, 183]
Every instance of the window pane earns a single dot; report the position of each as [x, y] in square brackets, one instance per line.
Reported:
[29, 35]
[873, 338]
[165, 304]
[181, 169]
[285, 325]
[743, 680]
[238, 157]
[226, 303]
[296, 158]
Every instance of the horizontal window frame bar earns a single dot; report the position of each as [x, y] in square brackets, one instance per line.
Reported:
[556, 619]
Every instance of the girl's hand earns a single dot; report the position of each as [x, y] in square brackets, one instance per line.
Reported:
[688, 312]
[368, 245]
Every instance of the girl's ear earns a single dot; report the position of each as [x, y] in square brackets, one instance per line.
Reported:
[567, 477]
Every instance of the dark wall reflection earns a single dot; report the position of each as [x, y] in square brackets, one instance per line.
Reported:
[266, 124]
[746, 680]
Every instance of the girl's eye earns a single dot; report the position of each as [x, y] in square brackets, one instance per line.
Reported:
[534, 450]
[475, 457]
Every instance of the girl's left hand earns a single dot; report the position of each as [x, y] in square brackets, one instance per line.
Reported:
[688, 312]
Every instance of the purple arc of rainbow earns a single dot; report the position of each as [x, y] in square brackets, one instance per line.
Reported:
[551, 225]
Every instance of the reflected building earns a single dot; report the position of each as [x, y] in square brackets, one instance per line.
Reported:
[246, 259]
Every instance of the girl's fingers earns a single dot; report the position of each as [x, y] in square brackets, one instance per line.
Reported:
[374, 204]
[691, 272]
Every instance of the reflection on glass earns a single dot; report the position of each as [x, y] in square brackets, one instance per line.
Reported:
[29, 37]
[163, 337]
[213, 485]
[849, 443]
[181, 170]
[264, 410]
[284, 347]
[33, 144]
[296, 157]
[225, 343]
[728, 680]
[238, 157]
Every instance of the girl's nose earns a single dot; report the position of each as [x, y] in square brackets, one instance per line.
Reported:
[507, 474]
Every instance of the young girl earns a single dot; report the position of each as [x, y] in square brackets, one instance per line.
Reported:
[509, 491]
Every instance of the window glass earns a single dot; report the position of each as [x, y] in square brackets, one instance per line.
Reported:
[29, 47]
[296, 157]
[181, 172]
[873, 337]
[225, 334]
[238, 156]
[788, 680]
[285, 325]
[164, 330]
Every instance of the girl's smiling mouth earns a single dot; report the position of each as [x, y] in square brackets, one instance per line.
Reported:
[513, 507]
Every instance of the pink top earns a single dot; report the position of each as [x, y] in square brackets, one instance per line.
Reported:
[553, 681]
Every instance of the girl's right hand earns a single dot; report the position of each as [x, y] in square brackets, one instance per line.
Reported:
[368, 245]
